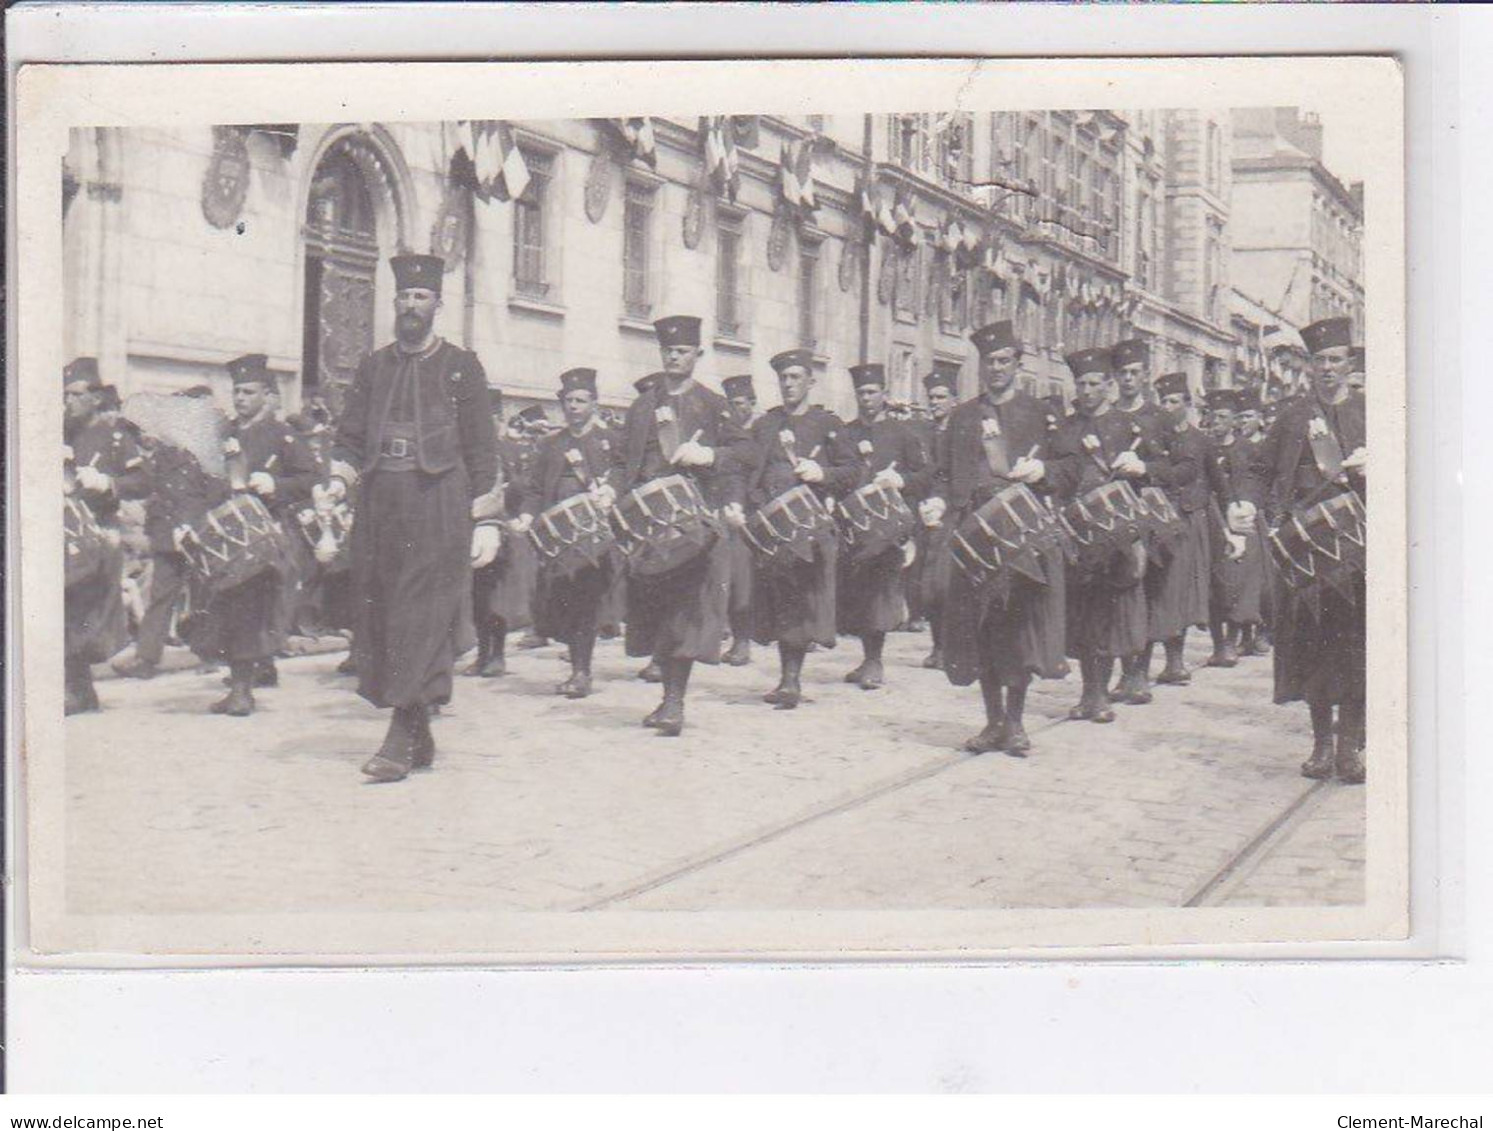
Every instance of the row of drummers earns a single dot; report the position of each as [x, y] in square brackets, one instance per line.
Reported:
[1044, 537]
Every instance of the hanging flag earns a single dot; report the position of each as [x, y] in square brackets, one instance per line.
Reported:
[499, 171]
[788, 175]
[805, 175]
[720, 154]
[636, 138]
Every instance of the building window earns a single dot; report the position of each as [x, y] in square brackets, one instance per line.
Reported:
[1213, 169]
[531, 234]
[808, 294]
[953, 309]
[901, 381]
[637, 245]
[729, 308]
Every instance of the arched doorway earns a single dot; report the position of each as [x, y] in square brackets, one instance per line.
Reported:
[353, 219]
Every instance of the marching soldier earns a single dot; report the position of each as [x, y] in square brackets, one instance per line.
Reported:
[247, 624]
[417, 442]
[1238, 551]
[650, 672]
[1002, 437]
[105, 466]
[933, 564]
[1177, 591]
[1316, 449]
[743, 401]
[871, 596]
[503, 591]
[576, 460]
[1106, 609]
[1251, 434]
[797, 443]
[678, 427]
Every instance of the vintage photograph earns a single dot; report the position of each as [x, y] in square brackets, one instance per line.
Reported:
[953, 509]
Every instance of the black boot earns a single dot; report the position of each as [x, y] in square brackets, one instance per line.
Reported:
[578, 686]
[788, 694]
[422, 746]
[993, 736]
[1319, 766]
[1017, 744]
[79, 695]
[239, 701]
[1175, 672]
[1350, 742]
[740, 653]
[870, 674]
[396, 757]
[497, 661]
[671, 714]
[266, 674]
[484, 650]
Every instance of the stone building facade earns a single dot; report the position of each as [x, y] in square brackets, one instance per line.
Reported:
[863, 237]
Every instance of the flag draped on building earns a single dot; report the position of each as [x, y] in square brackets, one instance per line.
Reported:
[498, 169]
[634, 136]
[796, 174]
[718, 136]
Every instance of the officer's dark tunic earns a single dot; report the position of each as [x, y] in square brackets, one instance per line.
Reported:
[569, 606]
[681, 614]
[250, 621]
[418, 429]
[1106, 613]
[795, 599]
[1237, 583]
[872, 594]
[505, 588]
[1177, 587]
[1322, 657]
[94, 623]
[1023, 635]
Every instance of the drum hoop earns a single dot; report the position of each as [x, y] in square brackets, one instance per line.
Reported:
[960, 542]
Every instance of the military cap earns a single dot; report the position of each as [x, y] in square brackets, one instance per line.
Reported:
[738, 386]
[418, 271]
[788, 359]
[937, 380]
[1170, 383]
[678, 330]
[1327, 333]
[872, 373]
[530, 417]
[251, 368]
[995, 336]
[1129, 352]
[1096, 360]
[83, 369]
[578, 379]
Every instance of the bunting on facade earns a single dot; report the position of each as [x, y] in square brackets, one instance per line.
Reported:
[634, 137]
[718, 135]
[498, 169]
[796, 175]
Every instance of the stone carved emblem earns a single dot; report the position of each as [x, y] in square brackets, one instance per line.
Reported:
[225, 185]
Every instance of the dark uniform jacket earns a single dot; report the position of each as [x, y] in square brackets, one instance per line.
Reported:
[1286, 459]
[1079, 469]
[558, 475]
[819, 435]
[695, 409]
[453, 420]
[274, 447]
[964, 477]
[112, 448]
[880, 443]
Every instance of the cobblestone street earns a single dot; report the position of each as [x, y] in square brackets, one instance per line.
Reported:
[855, 801]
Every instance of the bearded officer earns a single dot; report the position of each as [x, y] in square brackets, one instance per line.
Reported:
[577, 460]
[105, 466]
[1002, 638]
[743, 401]
[1316, 449]
[798, 443]
[417, 442]
[871, 596]
[679, 427]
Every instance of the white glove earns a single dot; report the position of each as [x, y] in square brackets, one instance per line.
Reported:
[1128, 463]
[486, 541]
[1355, 460]
[326, 495]
[733, 516]
[888, 477]
[91, 478]
[1028, 470]
[604, 495]
[931, 511]
[909, 553]
[262, 483]
[809, 471]
[692, 453]
[1234, 550]
[1241, 517]
[521, 524]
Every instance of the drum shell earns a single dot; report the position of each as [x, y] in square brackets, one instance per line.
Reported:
[1164, 527]
[1325, 542]
[1012, 522]
[85, 544]
[872, 520]
[572, 535]
[1104, 521]
[234, 542]
[787, 528]
[663, 525]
